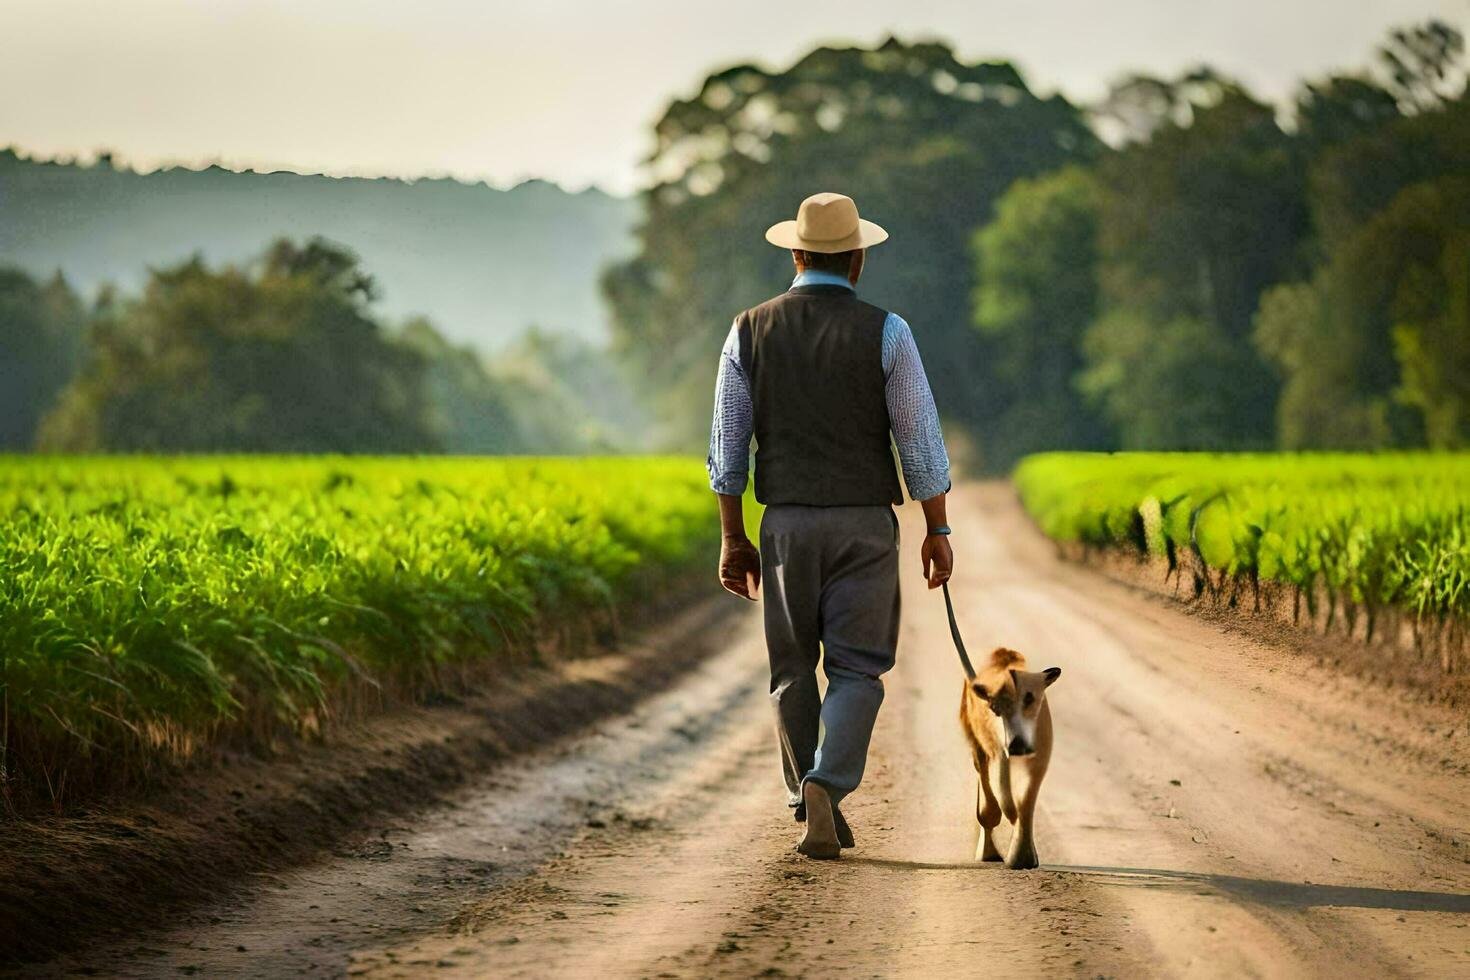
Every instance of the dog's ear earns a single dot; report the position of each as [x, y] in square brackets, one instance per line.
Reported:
[1052, 673]
[980, 691]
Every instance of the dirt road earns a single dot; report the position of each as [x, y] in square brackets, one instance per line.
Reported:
[1215, 808]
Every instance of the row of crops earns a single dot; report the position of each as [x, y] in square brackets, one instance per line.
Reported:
[151, 606]
[1367, 531]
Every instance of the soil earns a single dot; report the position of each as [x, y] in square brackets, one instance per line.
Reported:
[112, 868]
[1216, 806]
[1427, 661]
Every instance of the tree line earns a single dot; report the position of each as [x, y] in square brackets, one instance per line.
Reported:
[424, 239]
[283, 354]
[1180, 266]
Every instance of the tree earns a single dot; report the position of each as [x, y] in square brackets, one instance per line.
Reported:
[1195, 223]
[1036, 295]
[1342, 108]
[1375, 349]
[281, 357]
[1427, 232]
[1353, 181]
[1198, 219]
[548, 394]
[1367, 345]
[1138, 105]
[925, 144]
[574, 397]
[1172, 384]
[468, 412]
[1422, 65]
[41, 333]
[1432, 320]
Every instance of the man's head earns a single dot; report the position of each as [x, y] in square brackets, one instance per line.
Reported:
[827, 235]
[848, 263]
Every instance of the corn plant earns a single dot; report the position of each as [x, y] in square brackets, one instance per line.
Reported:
[151, 606]
[1369, 531]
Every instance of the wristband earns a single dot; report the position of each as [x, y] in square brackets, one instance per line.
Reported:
[941, 529]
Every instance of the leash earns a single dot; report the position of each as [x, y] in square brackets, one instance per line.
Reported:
[954, 632]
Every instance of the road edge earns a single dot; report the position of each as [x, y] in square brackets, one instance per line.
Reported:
[1230, 606]
[112, 869]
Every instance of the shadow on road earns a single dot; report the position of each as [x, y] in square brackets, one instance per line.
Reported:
[1260, 890]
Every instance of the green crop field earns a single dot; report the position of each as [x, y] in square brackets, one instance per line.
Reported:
[1372, 532]
[149, 606]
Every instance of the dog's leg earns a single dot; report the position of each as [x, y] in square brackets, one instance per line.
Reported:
[1002, 771]
[987, 811]
[1023, 845]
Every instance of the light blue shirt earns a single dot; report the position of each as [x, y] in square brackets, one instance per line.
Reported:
[912, 416]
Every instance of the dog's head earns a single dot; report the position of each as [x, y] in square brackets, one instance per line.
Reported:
[1016, 701]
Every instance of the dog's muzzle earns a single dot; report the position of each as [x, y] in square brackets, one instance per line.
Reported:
[1018, 747]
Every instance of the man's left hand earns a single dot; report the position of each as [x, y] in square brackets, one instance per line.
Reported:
[740, 567]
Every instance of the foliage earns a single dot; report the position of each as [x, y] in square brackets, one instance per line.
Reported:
[1381, 329]
[1194, 223]
[1375, 530]
[1254, 283]
[569, 396]
[281, 357]
[924, 142]
[41, 334]
[148, 606]
[1036, 296]
[469, 412]
[1178, 384]
[1420, 65]
[483, 263]
[1431, 307]
[289, 355]
[548, 393]
[1354, 180]
[1220, 273]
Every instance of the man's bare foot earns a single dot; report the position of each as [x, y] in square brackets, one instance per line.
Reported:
[820, 841]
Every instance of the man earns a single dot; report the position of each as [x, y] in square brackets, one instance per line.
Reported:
[821, 379]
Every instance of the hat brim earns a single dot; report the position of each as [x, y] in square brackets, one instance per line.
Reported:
[783, 235]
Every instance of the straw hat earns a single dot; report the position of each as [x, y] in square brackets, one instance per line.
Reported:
[826, 222]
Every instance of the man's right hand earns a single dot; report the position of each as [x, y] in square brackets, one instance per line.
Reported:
[740, 567]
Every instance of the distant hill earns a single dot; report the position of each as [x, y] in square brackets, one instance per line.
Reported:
[483, 264]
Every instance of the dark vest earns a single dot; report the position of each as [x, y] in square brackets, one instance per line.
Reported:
[814, 358]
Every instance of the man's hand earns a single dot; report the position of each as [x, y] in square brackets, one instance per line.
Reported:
[740, 567]
[938, 559]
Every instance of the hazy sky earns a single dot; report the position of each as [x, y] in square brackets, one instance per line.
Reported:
[554, 88]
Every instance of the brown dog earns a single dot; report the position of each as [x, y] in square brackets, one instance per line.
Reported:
[1005, 716]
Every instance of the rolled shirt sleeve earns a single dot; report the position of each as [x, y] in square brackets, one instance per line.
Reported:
[912, 413]
[734, 419]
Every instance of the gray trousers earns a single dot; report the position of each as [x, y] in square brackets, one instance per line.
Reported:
[830, 578]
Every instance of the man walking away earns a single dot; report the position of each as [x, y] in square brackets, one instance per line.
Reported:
[821, 379]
